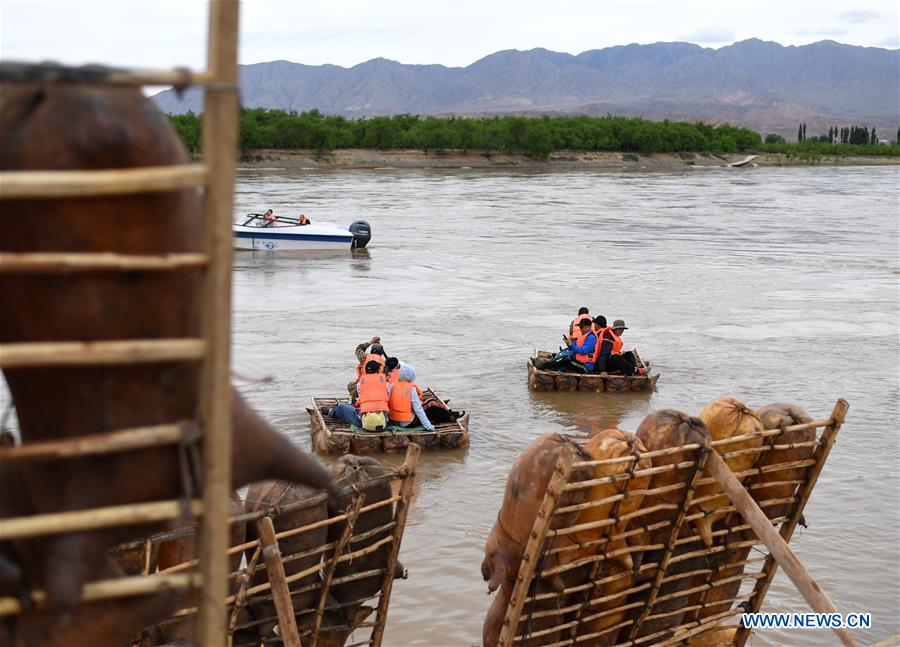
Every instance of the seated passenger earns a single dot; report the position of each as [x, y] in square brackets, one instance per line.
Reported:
[573, 327]
[375, 353]
[609, 356]
[269, 219]
[599, 326]
[363, 348]
[579, 356]
[372, 404]
[392, 370]
[405, 404]
[303, 220]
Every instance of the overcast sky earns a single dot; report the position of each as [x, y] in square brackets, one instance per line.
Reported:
[168, 33]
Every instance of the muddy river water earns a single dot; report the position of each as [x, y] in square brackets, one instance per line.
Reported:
[768, 284]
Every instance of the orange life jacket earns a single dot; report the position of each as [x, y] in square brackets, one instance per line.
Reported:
[373, 394]
[583, 357]
[574, 330]
[371, 357]
[401, 402]
[394, 377]
[616, 341]
[600, 333]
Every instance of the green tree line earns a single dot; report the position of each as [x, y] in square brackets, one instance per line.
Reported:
[536, 136]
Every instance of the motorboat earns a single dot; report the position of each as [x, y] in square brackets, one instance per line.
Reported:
[254, 233]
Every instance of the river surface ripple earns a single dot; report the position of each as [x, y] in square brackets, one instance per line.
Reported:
[768, 284]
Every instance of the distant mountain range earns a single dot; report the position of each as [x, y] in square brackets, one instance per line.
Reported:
[755, 83]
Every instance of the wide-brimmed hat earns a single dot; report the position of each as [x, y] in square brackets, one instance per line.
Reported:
[619, 323]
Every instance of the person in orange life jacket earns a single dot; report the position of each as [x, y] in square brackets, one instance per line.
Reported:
[405, 406]
[363, 348]
[372, 403]
[392, 370]
[579, 356]
[375, 353]
[609, 356]
[365, 352]
[303, 220]
[574, 331]
[269, 218]
[599, 326]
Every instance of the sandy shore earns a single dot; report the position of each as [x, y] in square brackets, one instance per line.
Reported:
[272, 159]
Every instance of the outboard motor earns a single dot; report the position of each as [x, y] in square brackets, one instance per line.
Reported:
[362, 233]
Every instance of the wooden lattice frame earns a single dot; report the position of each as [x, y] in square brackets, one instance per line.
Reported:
[332, 553]
[640, 599]
[216, 175]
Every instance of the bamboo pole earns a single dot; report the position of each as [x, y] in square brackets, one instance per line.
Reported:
[100, 353]
[108, 589]
[55, 262]
[78, 520]
[698, 467]
[352, 515]
[775, 542]
[240, 598]
[287, 623]
[179, 533]
[288, 533]
[15, 185]
[121, 440]
[219, 150]
[827, 439]
[406, 493]
[535, 544]
[179, 77]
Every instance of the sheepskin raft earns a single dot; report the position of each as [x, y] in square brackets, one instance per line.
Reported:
[541, 380]
[331, 436]
[599, 543]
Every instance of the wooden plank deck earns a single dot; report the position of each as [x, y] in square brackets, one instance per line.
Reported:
[541, 380]
[331, 436]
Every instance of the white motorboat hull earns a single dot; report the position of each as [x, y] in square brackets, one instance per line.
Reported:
[296, 238]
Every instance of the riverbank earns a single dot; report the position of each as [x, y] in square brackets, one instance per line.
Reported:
[278, 159]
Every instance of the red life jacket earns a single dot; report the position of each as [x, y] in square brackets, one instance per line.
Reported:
[401, 402]
[373, 394]
[371, 357]
[583, 357]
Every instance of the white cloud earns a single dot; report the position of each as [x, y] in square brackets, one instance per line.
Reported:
[706, 35]
[824, 32]
[858, 16]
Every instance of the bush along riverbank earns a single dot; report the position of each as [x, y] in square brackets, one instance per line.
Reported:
[410, 140]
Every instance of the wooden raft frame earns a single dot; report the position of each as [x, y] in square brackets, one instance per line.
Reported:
[541, 380]
[569, 608]
[216, 176]
[331, 436]
[280, 589]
